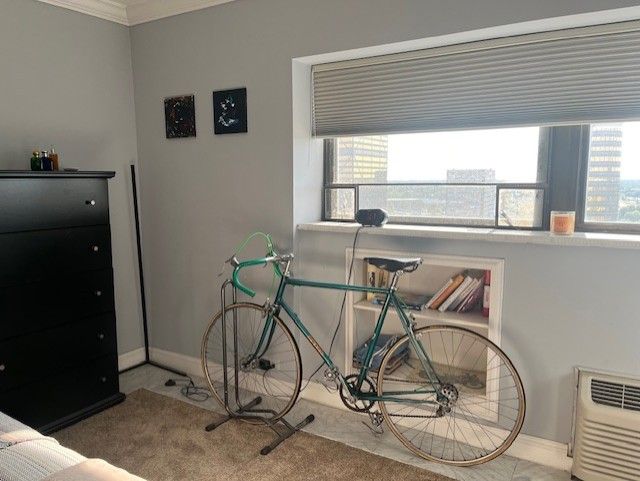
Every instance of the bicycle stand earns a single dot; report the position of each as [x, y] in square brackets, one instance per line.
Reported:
[249, 411]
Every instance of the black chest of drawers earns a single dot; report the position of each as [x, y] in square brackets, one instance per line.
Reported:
[58, 352]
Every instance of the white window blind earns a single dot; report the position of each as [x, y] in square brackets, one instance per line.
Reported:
[582, 75]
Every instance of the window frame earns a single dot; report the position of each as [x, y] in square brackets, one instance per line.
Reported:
[544, 155]
[582, 225]
[563, 167]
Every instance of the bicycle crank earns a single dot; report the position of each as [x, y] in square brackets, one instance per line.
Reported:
[376, 420]
[351, 400]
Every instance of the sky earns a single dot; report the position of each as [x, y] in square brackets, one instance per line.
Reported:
[513, 153]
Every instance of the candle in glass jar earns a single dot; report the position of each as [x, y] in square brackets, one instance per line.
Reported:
[563, 222]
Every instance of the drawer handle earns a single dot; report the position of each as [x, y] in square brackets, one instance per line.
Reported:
[103, 379]
[95, 248]
[2, 367]
[101, 336]
[98, 293]
[90, 202]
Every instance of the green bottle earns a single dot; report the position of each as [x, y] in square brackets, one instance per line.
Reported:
[36, 162]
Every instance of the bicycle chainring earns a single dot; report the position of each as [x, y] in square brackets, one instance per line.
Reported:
[359, 405]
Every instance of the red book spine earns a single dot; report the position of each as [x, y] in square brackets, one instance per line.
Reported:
[487, 293]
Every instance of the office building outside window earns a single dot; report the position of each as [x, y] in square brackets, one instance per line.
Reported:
[447, 178]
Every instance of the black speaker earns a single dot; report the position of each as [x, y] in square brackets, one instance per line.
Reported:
[372, 217]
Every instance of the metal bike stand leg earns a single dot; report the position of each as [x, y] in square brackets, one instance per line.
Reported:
[248, 411]
[225, 376]
[228, 417]
[284, 433]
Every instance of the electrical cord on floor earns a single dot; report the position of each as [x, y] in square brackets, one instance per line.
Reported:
[344, 301]
[190, 390]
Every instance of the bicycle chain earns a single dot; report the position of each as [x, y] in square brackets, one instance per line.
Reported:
[414, 416]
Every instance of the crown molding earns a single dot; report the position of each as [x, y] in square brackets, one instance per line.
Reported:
[135, 13]
[105, 9]
[149, 10]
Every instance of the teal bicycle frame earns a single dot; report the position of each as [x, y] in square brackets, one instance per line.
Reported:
[391, 300]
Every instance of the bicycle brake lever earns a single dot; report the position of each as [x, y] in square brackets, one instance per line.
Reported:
[232, 261]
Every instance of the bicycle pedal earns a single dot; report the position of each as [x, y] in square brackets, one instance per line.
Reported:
[377, 430]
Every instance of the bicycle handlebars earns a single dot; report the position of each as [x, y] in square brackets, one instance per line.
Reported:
[271, 259]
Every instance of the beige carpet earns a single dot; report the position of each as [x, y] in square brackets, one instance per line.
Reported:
[163, 439]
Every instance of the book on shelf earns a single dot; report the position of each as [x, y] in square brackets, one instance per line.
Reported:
[471, 280]
[463, 295]
[382, 346]
[455, 294]
[439, 293]
[472, 299]
[457, 291]
[392, 365]
[450, 289]
[375, 277]
[414, 302]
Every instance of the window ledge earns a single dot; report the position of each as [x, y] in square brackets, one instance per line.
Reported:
[579, 239]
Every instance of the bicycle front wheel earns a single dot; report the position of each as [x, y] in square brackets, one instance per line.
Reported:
[263, 367]
[470, 415]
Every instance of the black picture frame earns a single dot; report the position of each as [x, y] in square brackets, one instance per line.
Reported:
[230, 111]
[180, 116]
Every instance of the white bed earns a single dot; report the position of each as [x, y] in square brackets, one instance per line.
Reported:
[27, 455]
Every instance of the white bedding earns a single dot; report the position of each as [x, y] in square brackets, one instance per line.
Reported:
[26, 455]
[35, 460]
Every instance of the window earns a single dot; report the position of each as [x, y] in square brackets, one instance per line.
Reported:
[493, 178]
[612, 177]
[478, 161]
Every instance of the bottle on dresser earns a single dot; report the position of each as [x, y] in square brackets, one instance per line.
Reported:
[46, 160]
[36, 162]
[55, 161]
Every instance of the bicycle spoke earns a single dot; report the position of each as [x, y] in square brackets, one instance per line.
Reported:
[485, 396]
[274, 377]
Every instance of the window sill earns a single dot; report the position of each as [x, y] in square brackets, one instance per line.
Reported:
[579, 239]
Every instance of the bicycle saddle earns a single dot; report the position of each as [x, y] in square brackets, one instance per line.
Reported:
[395, 265]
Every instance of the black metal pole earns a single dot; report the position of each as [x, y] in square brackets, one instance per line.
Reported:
[143, 299]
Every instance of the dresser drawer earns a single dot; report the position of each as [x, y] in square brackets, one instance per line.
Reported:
[31, 256]
[32, 307]
[62, 394]
[33, 204]
[30, 358]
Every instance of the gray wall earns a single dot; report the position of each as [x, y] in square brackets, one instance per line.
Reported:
[201, 196]
[67, 80]
[562, 307]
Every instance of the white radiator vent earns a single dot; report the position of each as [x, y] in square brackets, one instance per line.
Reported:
[615, 394]
[607, 428]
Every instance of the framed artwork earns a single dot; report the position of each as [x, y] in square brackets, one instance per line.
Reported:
[180, 116]
[230, 111]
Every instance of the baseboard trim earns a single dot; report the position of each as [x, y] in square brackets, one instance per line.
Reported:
[529, 448]
[541, 451]
[187, 364]
[130, 359]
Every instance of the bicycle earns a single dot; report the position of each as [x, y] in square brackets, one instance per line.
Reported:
[447, 393]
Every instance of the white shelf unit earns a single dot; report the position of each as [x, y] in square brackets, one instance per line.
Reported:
[427, 279]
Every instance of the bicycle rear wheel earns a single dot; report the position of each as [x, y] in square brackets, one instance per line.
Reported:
[264, 387]
[471, 416]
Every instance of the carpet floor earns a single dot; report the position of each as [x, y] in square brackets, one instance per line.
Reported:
[163, 439]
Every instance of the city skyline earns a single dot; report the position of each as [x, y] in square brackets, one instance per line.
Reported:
[487, 156]
[602, 203]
